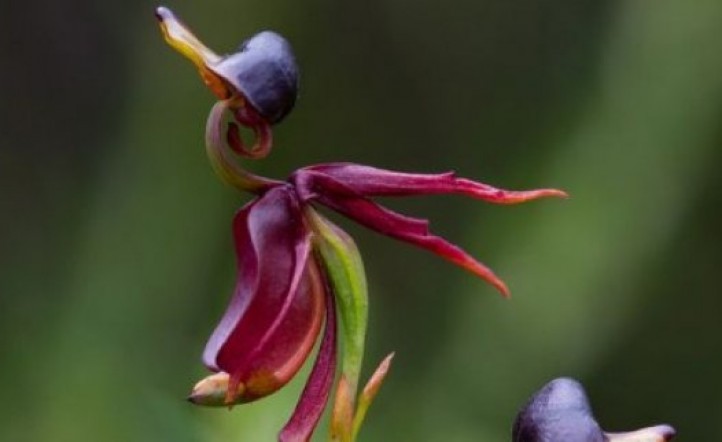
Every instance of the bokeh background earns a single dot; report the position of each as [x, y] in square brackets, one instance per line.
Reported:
[115, 254]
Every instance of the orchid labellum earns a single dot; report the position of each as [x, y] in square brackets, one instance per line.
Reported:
[560, 411]
[297, 270]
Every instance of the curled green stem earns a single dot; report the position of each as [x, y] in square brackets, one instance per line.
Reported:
[221, 142]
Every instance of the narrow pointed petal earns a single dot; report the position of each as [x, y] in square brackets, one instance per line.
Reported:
[309, 409]
[370, 181]
[369, 393]
[346, 201]
[276, 311]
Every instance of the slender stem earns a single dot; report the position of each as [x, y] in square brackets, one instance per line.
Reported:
[222, 157]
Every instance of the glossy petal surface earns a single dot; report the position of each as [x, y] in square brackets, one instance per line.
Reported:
[344, 269]
[317, 186]
[371, 181]
[560, 411]
[276, 310]
[309, 409]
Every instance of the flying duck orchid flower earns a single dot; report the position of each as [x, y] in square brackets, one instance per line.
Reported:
[296, 269]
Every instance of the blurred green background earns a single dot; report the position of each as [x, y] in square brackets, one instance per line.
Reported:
[115, 253]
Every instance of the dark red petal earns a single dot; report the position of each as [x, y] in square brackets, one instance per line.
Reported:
[309, 409]
[370, 181]
[336, 195]
[275, 314]
[312, 185]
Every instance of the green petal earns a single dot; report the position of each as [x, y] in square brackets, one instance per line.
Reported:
[344, 268]
[369, 393]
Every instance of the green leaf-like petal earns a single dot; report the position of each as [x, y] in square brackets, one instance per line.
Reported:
[345, 270]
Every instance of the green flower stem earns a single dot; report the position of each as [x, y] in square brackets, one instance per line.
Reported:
[222, 158]
[345, 271]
